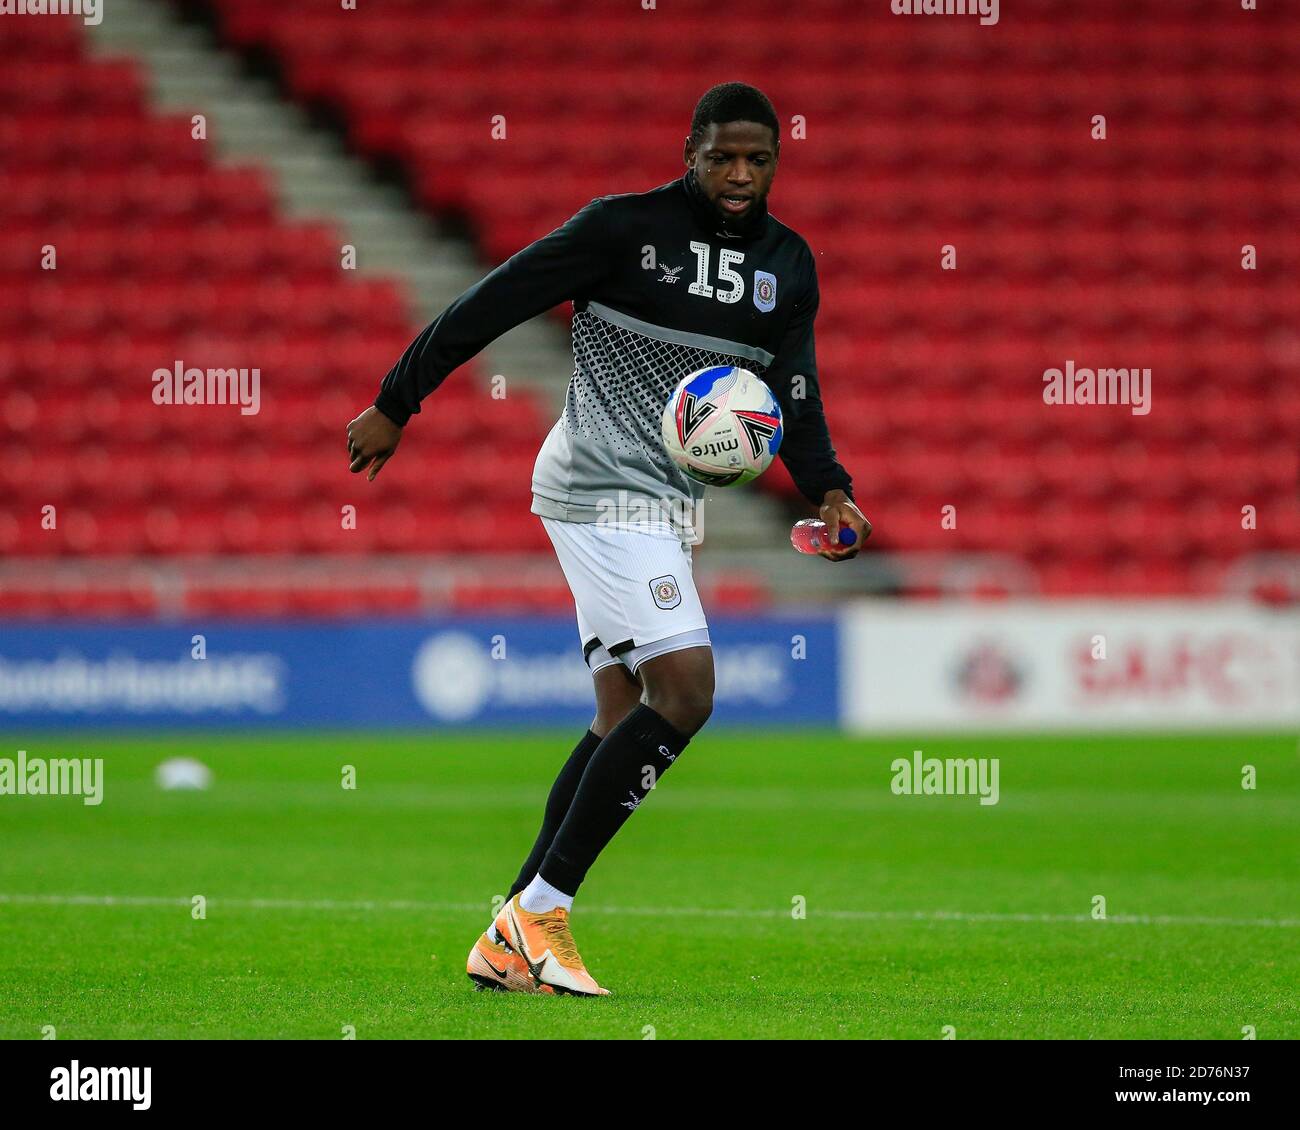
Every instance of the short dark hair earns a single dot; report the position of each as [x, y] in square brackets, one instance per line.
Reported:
[733, 102]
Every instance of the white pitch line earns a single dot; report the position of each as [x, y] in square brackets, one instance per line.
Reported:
[653, 911]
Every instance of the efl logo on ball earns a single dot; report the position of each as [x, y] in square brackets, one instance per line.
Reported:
[722, 426]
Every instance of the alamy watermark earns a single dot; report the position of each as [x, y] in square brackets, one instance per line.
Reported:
[1098, 386]
[59, 776]
[76, 1083]
[948, 776]
[680, 515]
[91, 11]
[179, 385]
[987, 10]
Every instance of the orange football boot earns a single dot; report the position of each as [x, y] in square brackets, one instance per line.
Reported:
[547, 947]
[494, 965]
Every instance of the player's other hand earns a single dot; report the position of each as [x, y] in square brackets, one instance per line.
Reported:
[837, 509]
[372, 439]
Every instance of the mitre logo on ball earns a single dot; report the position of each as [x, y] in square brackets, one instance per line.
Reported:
[722, 426]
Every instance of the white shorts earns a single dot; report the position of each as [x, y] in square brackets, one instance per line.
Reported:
[633, 589]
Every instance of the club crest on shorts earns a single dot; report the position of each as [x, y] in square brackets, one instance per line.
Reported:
[665, 591]
[765, 291]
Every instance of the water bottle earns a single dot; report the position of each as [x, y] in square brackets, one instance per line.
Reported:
[809, 536]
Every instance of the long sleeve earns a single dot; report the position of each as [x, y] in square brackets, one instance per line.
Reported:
[806, 447]
[558, 267]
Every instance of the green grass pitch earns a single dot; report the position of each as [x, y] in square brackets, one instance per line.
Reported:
[329, 907]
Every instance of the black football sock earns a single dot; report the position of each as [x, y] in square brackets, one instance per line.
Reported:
[634, 754]
[557, 806]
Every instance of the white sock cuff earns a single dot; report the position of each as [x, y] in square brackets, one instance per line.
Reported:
[540, 896]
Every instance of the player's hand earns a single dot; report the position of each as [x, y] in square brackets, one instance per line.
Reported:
[837, 508]
[372, 439]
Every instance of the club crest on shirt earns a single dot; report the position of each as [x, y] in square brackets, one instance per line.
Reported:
[765, 291]
[665, 591]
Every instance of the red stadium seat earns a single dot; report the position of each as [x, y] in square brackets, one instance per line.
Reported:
[164, 257]
[1121, 253]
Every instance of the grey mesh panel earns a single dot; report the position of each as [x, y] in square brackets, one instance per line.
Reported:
[608, 439]
[682, 337]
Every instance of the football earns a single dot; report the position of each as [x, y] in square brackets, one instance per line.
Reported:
[722, 426]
